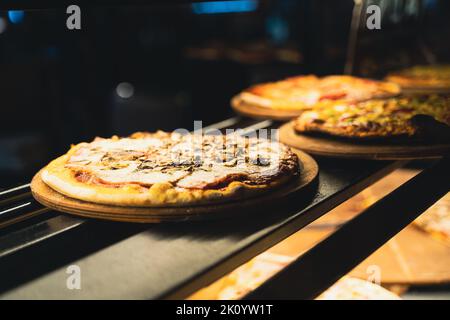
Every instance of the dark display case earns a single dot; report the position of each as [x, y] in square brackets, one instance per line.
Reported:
[144, 67]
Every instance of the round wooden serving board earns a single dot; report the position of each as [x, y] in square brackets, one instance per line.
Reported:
[256, 112]
[57, 201]
[330, 147]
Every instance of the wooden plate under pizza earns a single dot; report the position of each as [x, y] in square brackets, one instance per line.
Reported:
[307, 173]
[323, 145]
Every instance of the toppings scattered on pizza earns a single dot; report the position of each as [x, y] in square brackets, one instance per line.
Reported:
[170, 168]
[303, 92]
[378, 118]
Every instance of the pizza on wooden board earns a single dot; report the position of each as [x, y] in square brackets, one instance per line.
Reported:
[254, 273]
[303, 92]
[422, 77]
[407, 116]
[171, 169]
[350, 288]
[436, 220]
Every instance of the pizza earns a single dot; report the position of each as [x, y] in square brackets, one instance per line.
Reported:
[254, 273]
[170, 169]
[407, 116]
[436, 220]
[245, 278]
[303, 92]
[426, 77]
[349, 288]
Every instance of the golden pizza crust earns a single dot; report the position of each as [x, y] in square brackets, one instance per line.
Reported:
[303, 92]
[355, 133]
[64, 180]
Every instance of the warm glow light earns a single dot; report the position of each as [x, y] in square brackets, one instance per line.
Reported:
[125, 90]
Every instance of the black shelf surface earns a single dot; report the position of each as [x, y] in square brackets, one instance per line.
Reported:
[171, 260]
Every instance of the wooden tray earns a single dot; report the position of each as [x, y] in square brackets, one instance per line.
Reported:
[411, 258]
[338, 148]
[57, 201]
[256, 112]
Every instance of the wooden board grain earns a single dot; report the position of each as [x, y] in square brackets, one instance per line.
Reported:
[256, 112]
[411, 258]
[340, 148]
[57, 201]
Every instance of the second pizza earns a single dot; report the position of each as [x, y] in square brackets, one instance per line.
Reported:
[415, 116]
[304, 92]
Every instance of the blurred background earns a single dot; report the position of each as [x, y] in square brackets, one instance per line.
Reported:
[134, 68]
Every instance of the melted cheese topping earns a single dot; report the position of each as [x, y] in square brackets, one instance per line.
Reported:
[379, 112]
[189, 161]
[307, 91]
